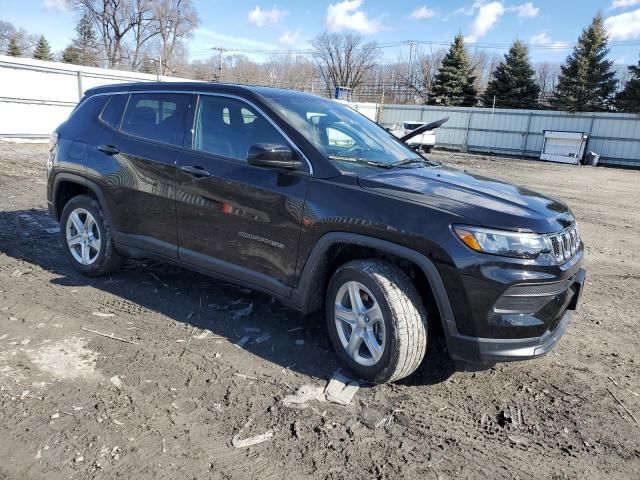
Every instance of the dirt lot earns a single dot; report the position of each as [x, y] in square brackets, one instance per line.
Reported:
[74, 404]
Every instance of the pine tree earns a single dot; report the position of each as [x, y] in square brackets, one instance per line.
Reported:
[453, 84]
[628, 100]
[13, 50]
[512, 83]
[86, 44]
[586, 81]
[70, 55]
[42, 50]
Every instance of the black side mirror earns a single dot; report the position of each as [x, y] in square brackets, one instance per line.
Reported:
[273, 155]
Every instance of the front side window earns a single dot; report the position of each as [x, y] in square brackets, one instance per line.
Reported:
[156, 116]
[228, 127]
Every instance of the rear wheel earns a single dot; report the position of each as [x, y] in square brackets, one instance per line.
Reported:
[376, 320]
[87, 238]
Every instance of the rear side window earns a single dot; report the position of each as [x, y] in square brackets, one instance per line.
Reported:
[156, 116]
[112, 113]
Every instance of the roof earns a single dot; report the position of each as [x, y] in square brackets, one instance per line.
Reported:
[200, 87]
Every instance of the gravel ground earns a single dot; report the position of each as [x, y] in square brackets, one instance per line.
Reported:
[74, 404]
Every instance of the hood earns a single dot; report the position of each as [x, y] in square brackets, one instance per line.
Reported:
[484, 201]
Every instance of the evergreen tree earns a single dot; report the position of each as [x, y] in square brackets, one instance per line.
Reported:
[42, 50]
[70, 55]
[628, 100]
[13, 50]
[453, 84]
[512, 83]
[586, 81]
[86, 44]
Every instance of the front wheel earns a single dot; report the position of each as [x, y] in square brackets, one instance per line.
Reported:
[376, 320]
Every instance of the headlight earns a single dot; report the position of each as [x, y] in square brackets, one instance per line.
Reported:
[502, 242]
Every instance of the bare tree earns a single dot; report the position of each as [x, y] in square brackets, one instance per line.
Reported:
[343, 59]
[7, 32]
[427, 67]
[483, 64]
[290, 71]
[546, 78]
[144, 29]
[129, 29]
[113, 19]
[175, 21]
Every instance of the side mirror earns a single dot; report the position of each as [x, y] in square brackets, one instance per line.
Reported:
[273, 155]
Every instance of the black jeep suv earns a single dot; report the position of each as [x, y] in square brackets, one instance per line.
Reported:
[305, 199]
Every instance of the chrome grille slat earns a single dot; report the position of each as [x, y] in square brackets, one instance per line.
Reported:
[565, 244]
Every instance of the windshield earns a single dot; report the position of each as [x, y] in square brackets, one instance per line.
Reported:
[347, 138]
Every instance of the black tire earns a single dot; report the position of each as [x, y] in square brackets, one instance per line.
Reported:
[426, 149]
[108, 259]
[403, 314]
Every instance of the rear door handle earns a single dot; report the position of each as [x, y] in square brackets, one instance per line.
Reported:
[108, 149]
[195, 170]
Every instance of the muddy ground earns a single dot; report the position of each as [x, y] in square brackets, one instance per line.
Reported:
[74, 404]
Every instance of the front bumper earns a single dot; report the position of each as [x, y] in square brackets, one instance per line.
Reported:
[487, 351]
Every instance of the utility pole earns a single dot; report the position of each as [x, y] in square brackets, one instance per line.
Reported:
[221, 51]
[410, 80]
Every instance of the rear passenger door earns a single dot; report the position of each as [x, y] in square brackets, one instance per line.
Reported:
[139, 153]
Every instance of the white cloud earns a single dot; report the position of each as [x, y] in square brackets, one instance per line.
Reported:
[347, 15]
[624, 3]
[231, 41]
[421, 13]
[544, 39]
[260, 17]
[488, 15]
[290, 38]
[526, 10]
[55, 4]
[624, 26]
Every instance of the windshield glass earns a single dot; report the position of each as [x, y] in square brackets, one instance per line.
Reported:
[347, 138]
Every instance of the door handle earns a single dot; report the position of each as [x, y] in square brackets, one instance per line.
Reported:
[108, 149]
[195, 170]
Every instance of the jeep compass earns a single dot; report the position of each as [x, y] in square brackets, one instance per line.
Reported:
[307, 200]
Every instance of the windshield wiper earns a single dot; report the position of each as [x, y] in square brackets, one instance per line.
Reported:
[411, 161]
[361, 160]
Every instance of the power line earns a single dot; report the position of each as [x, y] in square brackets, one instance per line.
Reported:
[411, 43]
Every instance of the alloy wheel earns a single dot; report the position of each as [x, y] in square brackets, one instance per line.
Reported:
[360, 323]
[83, 236]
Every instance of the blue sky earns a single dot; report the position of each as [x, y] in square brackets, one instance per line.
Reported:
[550, 26]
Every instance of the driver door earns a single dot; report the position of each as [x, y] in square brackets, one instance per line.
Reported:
[234, 218]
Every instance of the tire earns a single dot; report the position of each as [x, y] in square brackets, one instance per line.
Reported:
[84, 228]
[393, 336]
[426, 149]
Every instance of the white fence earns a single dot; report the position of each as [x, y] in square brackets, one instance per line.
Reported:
[614, 136]
[36, 96]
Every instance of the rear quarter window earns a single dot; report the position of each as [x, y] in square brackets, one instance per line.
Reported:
[112, 112]
[156, 116]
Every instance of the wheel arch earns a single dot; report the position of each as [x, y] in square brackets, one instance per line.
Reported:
[336, 248]
[68, 185]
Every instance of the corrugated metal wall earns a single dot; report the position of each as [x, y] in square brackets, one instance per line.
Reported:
[615, 136]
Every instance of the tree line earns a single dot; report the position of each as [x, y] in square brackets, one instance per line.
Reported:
[151, 36]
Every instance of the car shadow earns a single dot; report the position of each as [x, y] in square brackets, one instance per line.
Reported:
[276, 333]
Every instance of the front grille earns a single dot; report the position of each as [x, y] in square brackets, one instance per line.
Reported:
[565, 244]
